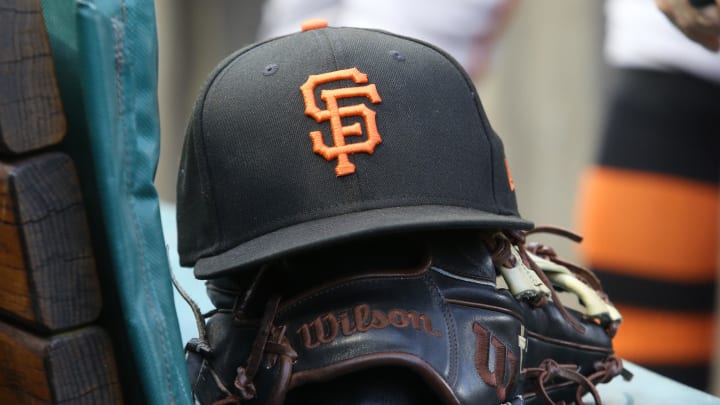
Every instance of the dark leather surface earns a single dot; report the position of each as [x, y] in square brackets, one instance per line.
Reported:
[368, 323]
[440, 330]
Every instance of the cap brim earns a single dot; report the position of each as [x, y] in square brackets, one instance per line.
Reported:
[350, 226]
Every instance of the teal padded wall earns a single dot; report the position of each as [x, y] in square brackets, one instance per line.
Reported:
[105, 55]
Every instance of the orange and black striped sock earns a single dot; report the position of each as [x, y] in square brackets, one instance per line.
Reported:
[649, 214]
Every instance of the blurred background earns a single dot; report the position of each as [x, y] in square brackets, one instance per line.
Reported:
[543, 91]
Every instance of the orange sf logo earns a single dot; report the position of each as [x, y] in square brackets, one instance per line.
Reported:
[334, 113]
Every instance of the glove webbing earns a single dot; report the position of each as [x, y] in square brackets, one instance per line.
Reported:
[549, 253]
[501, 246]
[581, 273]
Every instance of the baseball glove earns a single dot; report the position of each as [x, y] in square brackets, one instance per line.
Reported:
[569, 320]
[406, 321]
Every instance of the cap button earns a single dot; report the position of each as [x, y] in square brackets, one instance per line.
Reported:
[314, 24]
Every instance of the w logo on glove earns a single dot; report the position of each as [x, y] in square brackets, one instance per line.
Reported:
[494, 362]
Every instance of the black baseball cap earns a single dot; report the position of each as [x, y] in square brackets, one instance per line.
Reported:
[331, 134]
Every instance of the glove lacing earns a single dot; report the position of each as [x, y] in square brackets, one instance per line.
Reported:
[270, 340]
[550, 370]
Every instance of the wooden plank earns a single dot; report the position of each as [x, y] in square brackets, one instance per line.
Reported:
[75, 367]
[47, 265]
[31, 114]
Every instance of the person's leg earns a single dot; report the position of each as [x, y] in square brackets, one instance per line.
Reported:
[649, 212]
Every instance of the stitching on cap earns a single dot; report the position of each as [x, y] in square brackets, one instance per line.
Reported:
[471, 89]
[289, 221]
[326, 36]
[215, 76]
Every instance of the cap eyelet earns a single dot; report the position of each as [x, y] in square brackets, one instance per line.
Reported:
[397, 56]
[270, 69]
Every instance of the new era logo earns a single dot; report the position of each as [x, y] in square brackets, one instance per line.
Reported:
[334, 113]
